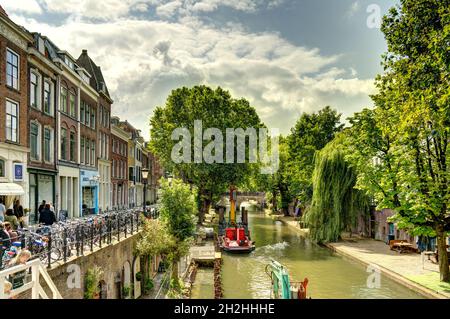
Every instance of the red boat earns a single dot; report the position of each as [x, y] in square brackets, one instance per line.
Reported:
[235, 241]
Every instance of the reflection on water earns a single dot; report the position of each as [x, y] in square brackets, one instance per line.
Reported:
[203, 287]
[330, 276]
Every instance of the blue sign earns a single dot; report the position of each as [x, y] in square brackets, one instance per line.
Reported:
[18, 172]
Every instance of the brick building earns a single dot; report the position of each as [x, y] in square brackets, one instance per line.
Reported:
[119, 166]
[68, 131]
[103, 130]
[43, 76]
[156, 171]
[56, 140]
[14, 42]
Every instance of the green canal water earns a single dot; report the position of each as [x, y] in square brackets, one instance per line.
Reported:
[330, 275]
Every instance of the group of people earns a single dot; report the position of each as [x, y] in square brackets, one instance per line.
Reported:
[11, 220]
[14, 215]
[47, 214]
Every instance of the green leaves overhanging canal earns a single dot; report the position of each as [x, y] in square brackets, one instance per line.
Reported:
[336, 204]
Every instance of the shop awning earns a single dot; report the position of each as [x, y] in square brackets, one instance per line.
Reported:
[11, 189]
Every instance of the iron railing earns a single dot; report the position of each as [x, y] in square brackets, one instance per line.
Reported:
[75, 237]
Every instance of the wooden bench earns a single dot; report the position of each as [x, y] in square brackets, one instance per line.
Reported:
[402, 246]
[393, 243]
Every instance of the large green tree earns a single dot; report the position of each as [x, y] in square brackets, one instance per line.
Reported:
[216, 109]
[336, 203]
[310, 134]
[405, 139]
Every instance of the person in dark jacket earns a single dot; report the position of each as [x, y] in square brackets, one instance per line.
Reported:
[47, 217]
[41, 207]
[18, 211]
[4, 237]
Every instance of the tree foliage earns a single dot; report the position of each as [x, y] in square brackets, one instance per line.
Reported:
[154, 240]
[336, 203]
[310, 134]
[406, 136]
[216, 109]
[177, 212]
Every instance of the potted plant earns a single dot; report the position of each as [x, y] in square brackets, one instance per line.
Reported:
[149, 284]
[126, 290]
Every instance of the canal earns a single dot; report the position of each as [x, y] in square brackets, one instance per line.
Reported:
[330, 275]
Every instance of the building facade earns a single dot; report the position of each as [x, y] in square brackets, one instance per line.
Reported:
[119, 166]
[14, 42]
[102, 118]
[58, 142]
[156, 172]
[43, 76]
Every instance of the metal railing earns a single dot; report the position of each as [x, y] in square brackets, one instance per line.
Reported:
[75, 237]
[37, 291]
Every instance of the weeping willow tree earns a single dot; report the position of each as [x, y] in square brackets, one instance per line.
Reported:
[336, 204]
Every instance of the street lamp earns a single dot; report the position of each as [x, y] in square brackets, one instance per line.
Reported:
[144, 180]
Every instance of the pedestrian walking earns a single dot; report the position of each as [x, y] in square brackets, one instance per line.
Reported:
[47, 217]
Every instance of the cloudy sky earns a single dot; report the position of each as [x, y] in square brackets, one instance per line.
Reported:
[285, 56]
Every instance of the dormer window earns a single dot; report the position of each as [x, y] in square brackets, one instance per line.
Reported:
[68, 62]
[85, 77]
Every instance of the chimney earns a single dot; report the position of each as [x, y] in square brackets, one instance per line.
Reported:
[3, 12]
[84, 51]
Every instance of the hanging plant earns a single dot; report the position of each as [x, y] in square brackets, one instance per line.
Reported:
[139, 276]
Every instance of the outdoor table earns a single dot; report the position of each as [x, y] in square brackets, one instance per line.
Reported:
[403, 247]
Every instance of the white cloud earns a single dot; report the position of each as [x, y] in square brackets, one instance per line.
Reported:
[144, 60]
[169, 9]
[354, 8]
[114, 9]
[23, 6]
[274, 3]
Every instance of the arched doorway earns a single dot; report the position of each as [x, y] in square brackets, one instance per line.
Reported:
[137, 277]
[126, 280]
[103, 288]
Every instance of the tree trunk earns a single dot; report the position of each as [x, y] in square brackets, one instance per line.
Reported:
[174, 276]
[145, 267]
[205, 203]
[441, 237]
[274, 202]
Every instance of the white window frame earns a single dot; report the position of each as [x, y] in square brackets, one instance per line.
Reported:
[38, 142]
[52, 97]
[17, 119]
[3, 161]
[52, 144]
[38, 90]
[66, 90]
[18, 68]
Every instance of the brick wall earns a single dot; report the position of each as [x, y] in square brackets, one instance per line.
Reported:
[111, 259]
[20, 96]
